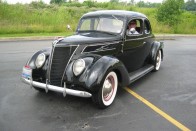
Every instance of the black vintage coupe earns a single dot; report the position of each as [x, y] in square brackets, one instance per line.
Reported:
[102, 55]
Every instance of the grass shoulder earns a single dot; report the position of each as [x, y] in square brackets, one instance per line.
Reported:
[36, 35]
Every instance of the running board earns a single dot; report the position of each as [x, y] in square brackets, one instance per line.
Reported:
[133, 76]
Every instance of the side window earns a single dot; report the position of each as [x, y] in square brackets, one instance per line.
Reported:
[110, 25]
[86, 24]
[147, 29]
[134, 27]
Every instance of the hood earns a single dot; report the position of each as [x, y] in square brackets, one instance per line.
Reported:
[88, 38]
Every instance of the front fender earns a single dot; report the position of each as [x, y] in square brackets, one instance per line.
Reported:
[31, 61]
[95, 72]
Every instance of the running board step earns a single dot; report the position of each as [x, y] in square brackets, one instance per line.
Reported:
[133, 76]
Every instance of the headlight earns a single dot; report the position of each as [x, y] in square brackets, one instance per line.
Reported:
[78, 66]
[40, 60]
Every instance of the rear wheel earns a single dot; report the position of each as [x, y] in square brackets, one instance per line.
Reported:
[106, 94]
[157, 62]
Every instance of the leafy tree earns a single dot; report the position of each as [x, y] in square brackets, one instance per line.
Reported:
[89, 3]
[141, 4]
[132, 2]
[170, 11]
[38, 5]
[56, 1]
[148, 4]
[190, 5]
[114, 1]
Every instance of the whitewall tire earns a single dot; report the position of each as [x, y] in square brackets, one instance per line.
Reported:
[107, 92]
[157, 62]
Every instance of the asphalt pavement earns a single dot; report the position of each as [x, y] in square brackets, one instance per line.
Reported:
[172, 89]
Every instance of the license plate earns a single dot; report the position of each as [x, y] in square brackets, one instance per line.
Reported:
[26, 73]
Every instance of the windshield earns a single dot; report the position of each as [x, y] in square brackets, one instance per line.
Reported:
[111, 24]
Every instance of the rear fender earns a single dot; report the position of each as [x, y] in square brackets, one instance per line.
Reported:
[155, 47]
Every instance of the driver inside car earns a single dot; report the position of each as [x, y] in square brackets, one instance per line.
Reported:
[132, 28]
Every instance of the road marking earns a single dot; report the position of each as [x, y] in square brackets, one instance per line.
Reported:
[157, 110]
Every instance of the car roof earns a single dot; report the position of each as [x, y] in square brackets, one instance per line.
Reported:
[115, 12]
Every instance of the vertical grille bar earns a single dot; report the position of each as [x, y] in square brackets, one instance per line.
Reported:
[61, 56]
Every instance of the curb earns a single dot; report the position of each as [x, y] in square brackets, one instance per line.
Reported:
[173, 36]
[38, 38]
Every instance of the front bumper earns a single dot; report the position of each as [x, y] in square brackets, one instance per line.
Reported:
[27, 78]
[63, 90]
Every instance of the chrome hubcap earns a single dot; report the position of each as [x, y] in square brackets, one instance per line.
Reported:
[158, 61]
[108, 88]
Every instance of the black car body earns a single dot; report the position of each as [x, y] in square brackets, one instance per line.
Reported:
[98, 58]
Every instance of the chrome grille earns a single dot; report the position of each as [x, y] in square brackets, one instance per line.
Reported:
[61, 56]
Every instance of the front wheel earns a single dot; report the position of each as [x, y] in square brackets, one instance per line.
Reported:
[157, 62]
[106, 94]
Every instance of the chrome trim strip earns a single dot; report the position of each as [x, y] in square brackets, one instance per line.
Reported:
[58, 89]
[135, 34]
[137, 38]
[104, 44]
[51, 58]
[99, 50]
[84, 49]
[64, 45]
[69, 62]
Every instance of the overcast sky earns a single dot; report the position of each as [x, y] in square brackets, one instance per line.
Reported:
[48, 1]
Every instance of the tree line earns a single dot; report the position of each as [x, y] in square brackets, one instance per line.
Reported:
[190, 5]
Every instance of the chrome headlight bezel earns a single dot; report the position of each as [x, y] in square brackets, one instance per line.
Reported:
[78, 67]
[40, 60]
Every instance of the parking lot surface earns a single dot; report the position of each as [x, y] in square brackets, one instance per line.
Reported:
[172, 90]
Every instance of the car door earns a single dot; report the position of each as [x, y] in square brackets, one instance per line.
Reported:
[148, 40]
[133, 48]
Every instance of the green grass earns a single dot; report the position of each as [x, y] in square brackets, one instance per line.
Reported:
[48, 20]
[14, 19]
[35, 34]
